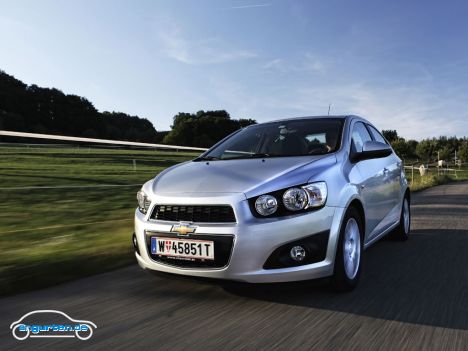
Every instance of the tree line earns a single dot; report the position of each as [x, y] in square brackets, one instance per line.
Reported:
[428, 150]
[29, 108]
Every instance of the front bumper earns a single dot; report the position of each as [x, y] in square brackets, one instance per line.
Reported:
[254, 240]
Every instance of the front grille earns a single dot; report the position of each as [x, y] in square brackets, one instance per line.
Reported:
[222, 251]
[197, 214]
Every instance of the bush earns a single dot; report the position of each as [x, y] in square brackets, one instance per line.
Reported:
[430, 181]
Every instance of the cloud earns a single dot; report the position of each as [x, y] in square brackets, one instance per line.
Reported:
[199, 51]
[233, 96]
[413, 111]
[312, 63]
[249, 6]
[306, 63]
[276, 64]
[407, 96]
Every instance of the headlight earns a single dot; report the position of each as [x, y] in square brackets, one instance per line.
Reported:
[295, 199]
[266, 205]
[289, 201]
[144, 201]
[317, 194]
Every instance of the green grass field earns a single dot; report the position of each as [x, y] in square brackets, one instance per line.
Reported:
[59, 220]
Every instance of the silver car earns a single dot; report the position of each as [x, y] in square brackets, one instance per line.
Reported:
[288, 200]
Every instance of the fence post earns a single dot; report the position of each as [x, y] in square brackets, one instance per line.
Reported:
[134, 164]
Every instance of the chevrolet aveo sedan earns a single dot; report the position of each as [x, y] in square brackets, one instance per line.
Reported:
[288, 200]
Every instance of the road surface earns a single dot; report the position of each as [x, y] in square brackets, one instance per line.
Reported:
[412, 296]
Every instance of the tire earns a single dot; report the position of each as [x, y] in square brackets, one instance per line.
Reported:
[348, 258]
[401, 233]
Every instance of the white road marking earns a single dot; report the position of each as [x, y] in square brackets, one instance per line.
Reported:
[66, 186]
[96, 141]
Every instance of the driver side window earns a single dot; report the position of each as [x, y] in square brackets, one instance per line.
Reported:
[359, 136]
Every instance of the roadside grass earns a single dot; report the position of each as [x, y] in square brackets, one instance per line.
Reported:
[423, 182]
[52, 235]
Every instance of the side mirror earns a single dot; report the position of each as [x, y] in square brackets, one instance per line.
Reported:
[371, 149]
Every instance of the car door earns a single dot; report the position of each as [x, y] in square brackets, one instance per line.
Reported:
[374, 188]
[393, 177]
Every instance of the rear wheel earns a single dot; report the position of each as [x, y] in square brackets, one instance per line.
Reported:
[402, 231]
[348, 255]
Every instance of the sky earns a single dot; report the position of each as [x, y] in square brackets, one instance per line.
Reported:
[401, 64]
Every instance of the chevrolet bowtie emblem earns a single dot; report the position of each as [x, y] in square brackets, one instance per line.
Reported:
[183, 229]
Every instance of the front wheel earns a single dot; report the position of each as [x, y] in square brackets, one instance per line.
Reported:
[348, 255]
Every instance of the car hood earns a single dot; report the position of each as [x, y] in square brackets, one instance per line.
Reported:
[235, 176]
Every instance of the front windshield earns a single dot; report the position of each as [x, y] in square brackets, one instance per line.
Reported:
[286, 138]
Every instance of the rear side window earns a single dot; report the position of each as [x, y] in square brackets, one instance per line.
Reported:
[359, 136]
[376, 135]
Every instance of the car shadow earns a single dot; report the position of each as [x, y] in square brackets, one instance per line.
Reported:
[423, 280]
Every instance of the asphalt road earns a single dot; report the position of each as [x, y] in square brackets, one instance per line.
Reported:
[412, 296]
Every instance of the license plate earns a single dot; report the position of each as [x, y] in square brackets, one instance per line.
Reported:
[183, 248]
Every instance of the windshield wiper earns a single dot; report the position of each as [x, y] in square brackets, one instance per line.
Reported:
[214, 158]
[260, 155]
[207, 158]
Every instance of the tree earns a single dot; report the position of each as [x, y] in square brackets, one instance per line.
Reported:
[401, 148]
[424, 150]
[412, 145]
[405, 149]
[203, 129]
[390, 135]
[463, 151]
[42, 110]
[444, 153]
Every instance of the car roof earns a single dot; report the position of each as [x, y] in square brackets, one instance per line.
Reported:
[308, 117]
[343, 117]
[348, 118]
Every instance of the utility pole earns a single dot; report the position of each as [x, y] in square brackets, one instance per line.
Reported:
[329, 106]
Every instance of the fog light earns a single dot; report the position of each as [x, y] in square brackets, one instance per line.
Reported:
[297, 253]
